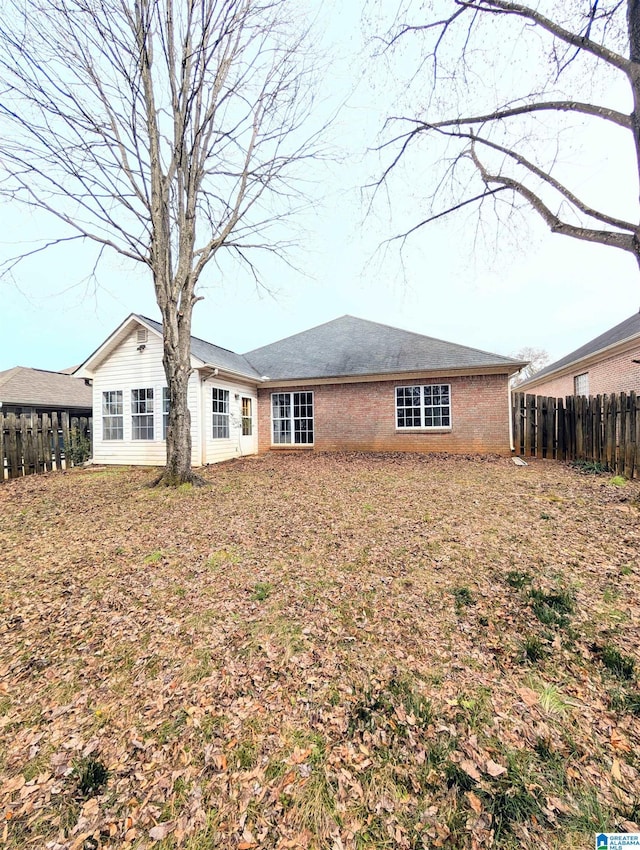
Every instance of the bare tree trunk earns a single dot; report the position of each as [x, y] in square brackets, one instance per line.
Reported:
[177, 367]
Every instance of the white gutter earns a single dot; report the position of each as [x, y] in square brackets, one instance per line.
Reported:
[511, 443]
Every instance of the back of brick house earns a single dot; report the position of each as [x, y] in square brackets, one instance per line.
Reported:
[361, 416]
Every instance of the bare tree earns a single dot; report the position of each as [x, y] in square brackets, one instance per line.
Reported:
[163, 130]
[489, 130]
[538, 358]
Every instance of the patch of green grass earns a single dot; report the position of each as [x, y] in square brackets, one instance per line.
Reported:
[622, 666]
[457, 777]
[386, 705]
[90, 776]
[533, 648]
[552, 609]
[246, 754]
[518, 579]
[463, 597]
[154, 557]
[261, 591]
[552, 700]
[171, 728]
[35, 766]
[592, 816]
[221, 558]
[552, 761]
[203, 668]
[619, 481]
[610, 594]
[474, 709]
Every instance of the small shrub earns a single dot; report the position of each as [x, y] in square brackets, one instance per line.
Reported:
[622, 666]
[80, 449]
[590, 467]
[90, 775]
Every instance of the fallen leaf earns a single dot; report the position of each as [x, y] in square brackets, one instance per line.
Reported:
[618, 742]
[161, 830]
[528, 696]
[470, 769]
[495, 769]
[475, 802]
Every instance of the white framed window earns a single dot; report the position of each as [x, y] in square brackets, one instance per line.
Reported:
[247, 417]
[581, 384]
[112, 415]
[142, 414]
[220, 408]
[292, 418]
[423, 406]
[165, 411]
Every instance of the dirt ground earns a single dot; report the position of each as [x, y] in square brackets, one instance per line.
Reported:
[320, 651]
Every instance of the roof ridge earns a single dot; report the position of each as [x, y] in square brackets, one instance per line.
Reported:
[191, 336]
[391, 328]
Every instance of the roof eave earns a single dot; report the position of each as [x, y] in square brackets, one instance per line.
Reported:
[214, 370]
[460, 371]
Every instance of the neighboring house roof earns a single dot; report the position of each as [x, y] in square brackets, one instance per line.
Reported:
[213, 355]
[349, 347]
[39, 388]
[621, 333]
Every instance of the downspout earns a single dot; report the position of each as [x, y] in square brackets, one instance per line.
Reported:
[203, 436]
[509, 405]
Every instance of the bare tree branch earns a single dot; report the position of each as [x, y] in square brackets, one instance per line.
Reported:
[506, 132]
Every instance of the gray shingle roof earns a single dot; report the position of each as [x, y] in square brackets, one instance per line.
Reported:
[213, 355]
[348, 347]
[39, 388]
[625, 330]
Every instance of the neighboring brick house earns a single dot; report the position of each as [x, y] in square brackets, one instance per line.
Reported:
[35, 391]
[610, 363]
[349, 384]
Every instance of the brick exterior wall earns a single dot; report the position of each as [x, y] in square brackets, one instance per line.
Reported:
[361, 417]
[615, 374]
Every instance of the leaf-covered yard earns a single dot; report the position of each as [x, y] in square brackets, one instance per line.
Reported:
[320, 651]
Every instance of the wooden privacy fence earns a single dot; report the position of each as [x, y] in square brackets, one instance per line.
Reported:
[602, 429]
[31, 444]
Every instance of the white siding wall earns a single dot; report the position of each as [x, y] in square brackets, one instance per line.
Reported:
[127, 369]
[236, 445]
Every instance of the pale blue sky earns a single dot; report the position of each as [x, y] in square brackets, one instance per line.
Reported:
[542, 290]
